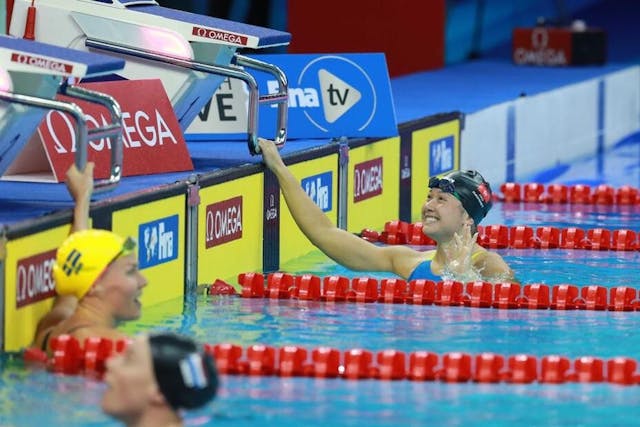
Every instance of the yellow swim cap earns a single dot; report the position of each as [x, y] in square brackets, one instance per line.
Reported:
[82, 258]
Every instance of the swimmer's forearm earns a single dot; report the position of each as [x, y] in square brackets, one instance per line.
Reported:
[81, 215]
[340, 245]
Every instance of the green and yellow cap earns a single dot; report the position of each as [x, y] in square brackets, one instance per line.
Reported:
[84, 256]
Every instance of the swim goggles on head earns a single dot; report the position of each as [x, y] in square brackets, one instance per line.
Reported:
[446, 184]
[128, 246]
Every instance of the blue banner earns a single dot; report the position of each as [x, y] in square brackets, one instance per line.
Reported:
[331, 95]
[158, 241]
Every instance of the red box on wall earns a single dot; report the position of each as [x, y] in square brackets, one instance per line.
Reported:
[558, 46]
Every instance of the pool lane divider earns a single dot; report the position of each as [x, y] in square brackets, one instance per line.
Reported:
[500, 236]
[478, 294]
[533, 192]
[70, 358]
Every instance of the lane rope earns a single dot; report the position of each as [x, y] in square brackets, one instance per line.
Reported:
[533, 192]
[70, 358]
[500, 236]
[479, 294]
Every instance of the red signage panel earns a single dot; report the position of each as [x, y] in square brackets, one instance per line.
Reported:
[367, 179]
[542, 46]
[153, 140]
[34, 281]
[224, 222]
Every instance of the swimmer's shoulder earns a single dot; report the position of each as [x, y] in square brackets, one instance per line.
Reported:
[492, 266]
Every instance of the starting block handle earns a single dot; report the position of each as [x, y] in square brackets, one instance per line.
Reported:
[232, 72]
[66, 107]
[112, 131]
[281, 98]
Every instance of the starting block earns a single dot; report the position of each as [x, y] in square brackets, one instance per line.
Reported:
[31, 75]
[191, 54]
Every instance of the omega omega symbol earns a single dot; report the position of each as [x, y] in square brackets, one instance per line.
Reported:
[539, 38]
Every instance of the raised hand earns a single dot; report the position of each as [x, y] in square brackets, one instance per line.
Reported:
[80, 184]
[270, 154]
[458, 251]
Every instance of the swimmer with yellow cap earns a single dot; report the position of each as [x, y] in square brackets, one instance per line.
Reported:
[455, 205]
[100, 269]
[96, 275]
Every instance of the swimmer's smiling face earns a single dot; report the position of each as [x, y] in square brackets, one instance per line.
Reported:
[121, 287]
[443, 215]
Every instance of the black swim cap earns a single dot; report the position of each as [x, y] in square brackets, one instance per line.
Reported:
[186, 375]
[470, 188]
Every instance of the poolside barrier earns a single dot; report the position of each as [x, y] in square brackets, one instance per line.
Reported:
[70, 358]
[478, 294]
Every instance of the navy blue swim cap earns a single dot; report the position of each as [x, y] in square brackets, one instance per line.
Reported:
[470, 188]
[185, 373]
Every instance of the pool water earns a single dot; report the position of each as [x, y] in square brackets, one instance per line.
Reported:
[253, 401]
[35, 397]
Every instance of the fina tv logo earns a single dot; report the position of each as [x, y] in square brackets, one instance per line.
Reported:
[347, 93]
[158, 241]
[441, 155]
[318, 188]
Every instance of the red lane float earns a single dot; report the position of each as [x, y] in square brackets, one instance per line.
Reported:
[70, 358]
[479, 294]
[533, 192]
[498, 236]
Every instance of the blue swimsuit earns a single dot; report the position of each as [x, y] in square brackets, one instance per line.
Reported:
[423, 270]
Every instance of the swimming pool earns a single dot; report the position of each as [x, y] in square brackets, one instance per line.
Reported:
[268, 400]
[35, 397]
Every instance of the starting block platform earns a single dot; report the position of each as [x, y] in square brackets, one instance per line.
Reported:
[32, 75]
[191, 54]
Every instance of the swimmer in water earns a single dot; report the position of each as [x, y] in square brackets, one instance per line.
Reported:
[155, 378]
[96, 273]
[455, 205]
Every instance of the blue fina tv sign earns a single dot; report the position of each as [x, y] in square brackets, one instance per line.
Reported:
[332, 96]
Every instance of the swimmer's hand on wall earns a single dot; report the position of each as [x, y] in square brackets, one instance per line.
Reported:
[270, 154]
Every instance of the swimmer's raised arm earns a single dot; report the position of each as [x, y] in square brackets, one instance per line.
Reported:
[340, 245]
[80, 186]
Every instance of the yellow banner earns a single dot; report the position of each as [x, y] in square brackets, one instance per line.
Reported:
[435, 150]
[159, 229]
[230, 218]
[373, 184]
[29, 287]
[319, 178]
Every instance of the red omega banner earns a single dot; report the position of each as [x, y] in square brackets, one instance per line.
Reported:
[542, 46]
[153, 141]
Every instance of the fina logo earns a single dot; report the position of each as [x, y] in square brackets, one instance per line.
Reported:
[346, 90]
[318, 188]
[441, 155]
[158, 241]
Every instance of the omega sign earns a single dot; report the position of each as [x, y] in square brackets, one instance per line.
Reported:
[140, 129]
[224, 222]
[367, 179]
[541, 46]
[223, 36]
[40, 62]
[33, 278]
